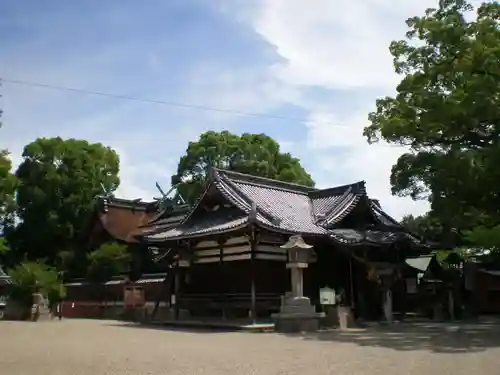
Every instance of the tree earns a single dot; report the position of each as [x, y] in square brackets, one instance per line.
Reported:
[111, 259]
[58, 181]
[4, 247]
[447, 110]
[28, 276]
[256, 154]
[425, 226]
[8, 184]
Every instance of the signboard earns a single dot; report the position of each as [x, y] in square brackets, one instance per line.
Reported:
[133, 296]
[327, 296]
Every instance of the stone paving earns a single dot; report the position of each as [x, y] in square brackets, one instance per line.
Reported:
[90, 347]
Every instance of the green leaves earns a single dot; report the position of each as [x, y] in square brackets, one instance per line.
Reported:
[58, 181]
[8, 184]
[4, 246]
[447, 110]
[30, 275]
[109, 260]
[255, 154]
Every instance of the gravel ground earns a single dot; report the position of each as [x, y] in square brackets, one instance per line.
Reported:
[90, 347]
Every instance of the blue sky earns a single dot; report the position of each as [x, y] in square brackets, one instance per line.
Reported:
[320, 60]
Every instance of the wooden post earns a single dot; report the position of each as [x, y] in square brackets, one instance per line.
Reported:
[177, 286]
[451, 303]
[351, 284]
[253, 293]
[222, 277]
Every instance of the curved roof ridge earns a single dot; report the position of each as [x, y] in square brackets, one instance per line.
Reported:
[377, 211]
[198, 201]
[356, 187]
[264, 181]
[346, 205]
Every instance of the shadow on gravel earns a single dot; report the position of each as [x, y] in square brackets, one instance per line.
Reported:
[170, 328]
[449, 338]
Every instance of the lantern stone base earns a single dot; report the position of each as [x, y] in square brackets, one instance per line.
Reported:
[297, 315]
[40, 313]
[345, 318]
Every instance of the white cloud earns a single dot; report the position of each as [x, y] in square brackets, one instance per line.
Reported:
[339, 45]
[345, 157]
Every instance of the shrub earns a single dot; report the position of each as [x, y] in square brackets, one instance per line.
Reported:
[109, 260]
[30, 276]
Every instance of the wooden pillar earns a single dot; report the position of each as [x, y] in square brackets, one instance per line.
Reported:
[221, 278]
[253, 293]
[177, 288]
[351, 285]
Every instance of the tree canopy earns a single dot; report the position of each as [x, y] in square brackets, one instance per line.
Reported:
[255, 154]
[108, 260]
[447, 110]
[8, 183]
[58, 181]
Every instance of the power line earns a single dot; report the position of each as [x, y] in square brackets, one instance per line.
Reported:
[168, 103]
[153, 101]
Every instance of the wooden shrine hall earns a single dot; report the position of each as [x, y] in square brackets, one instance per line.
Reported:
[124, 221]
[227, 261]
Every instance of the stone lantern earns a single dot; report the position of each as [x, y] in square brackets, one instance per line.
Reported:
[300, 255]
[296, 313]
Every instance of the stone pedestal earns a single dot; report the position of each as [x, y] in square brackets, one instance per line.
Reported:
[40, 308]
[296, 315]
[345, 317]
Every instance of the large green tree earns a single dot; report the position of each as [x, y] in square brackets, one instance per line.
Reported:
[8, 183]
[255, 154]
[58, 181]
[447, 110]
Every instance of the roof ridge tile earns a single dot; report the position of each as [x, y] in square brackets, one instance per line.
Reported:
[357, 188]
[264, 181]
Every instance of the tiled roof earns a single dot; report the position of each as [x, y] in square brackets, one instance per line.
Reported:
[280, 206]
[361, 237]
[332, 205]
[220, 221]
[124, 219]
[382, 217]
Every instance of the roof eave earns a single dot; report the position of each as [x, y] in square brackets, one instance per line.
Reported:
[198, 235]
